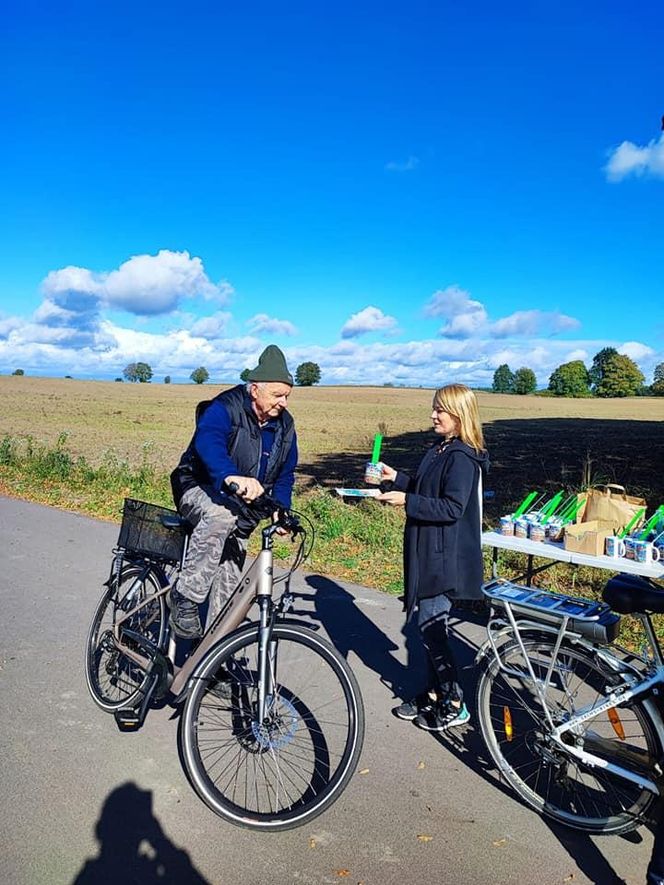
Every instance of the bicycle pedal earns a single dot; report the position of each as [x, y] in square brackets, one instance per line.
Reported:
[128, 719]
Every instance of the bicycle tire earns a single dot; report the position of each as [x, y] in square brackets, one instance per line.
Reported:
[547, 779]
[290, 770]
[113, 680]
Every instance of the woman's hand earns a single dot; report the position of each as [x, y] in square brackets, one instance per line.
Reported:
[396, 499]
[388, 474]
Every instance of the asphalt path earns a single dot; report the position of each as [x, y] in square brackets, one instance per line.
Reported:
[85, 803]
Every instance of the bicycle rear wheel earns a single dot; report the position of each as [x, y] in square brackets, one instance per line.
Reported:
[115, 681]
[548, 779]
[286, 770]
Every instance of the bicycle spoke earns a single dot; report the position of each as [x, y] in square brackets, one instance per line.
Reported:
[291, 763]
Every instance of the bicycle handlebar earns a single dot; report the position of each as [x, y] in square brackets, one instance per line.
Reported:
[266, 506]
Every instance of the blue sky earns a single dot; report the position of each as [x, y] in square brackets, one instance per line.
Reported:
[407, 193]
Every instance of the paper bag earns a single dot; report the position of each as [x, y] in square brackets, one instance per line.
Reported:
[612, 504]
[588, 537]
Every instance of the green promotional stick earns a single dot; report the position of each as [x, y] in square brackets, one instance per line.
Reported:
[549, 509]
[525, 503]
[571, 513]
[630, 525]
[652, 522]
[572, 505]
[375, 455]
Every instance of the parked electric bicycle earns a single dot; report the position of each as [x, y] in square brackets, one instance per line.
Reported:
[272, 723]
[573, 721]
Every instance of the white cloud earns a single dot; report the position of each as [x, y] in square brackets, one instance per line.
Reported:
[465, 317]
[532, 322]
[636, 351]
[262, 323]
[430, 363]
[405, 166]
[371, 319]
[630, 159]
[210, 327]
[144, 285]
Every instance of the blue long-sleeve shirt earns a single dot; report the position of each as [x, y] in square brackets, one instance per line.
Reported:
[212, 439]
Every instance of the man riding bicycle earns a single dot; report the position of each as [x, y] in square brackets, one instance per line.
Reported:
[245, 436]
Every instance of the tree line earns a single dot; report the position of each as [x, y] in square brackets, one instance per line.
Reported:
[306, 374]
[612, 374]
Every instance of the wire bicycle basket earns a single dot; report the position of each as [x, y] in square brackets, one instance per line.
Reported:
[143, 532]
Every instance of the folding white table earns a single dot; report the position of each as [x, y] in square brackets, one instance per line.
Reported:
[554, 551]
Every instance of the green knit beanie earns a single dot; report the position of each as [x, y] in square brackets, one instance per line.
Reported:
[271, 367]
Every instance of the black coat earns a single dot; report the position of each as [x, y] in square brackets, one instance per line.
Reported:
[442, 538]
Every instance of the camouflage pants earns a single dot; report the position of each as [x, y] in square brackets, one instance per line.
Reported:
[215, 556]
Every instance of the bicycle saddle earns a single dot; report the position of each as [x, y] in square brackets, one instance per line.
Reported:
[628, 594]
[174, 521]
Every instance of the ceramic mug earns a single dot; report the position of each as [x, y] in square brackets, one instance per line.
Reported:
[614, 546]
[646, 552]
[536, 532]
[554, 530]
[373, 473]
[521, 527]
[630, 547]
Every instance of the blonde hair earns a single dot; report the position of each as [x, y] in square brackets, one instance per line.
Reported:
[460, 402]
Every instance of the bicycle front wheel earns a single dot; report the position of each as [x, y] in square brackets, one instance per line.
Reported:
[115, 681]
[284, 771]
[550, 780]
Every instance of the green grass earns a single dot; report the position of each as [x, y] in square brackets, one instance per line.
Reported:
[359, 541]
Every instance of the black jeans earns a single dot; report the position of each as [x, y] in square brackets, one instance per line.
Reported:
[432, 620]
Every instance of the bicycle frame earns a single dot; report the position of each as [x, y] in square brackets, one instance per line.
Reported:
[636, 684]
[255, 584]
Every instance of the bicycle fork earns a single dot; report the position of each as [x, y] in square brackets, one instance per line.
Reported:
[267, 656]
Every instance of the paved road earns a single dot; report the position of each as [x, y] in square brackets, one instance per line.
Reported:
[82, 802]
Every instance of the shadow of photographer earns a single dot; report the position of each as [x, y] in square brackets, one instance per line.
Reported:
[133, 847]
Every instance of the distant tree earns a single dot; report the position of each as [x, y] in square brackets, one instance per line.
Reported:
[503, 379]
[570, 379]
[167, 379]
[621, 377]
[657, 388]
[120, 380]
[68, 376]
[140, 372]
[597, 369]
[200, 375]
[307, 374]
[244, 375]
[525, 381]
[18, 372]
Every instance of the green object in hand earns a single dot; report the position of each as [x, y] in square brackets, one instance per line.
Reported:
[375, 455]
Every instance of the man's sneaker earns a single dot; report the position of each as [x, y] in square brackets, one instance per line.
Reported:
[185, 618]
[409, 710]
[440, 717]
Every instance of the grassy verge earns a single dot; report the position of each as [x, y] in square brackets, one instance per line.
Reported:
[359, 542]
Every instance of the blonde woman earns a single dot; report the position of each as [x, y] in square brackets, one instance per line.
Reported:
[442, 546]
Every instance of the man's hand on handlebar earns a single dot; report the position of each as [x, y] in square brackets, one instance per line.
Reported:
[281, 530]
[248, 488]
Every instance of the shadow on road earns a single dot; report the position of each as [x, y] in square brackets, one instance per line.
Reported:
[468, 746]
[133, 848]
[350, 629]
